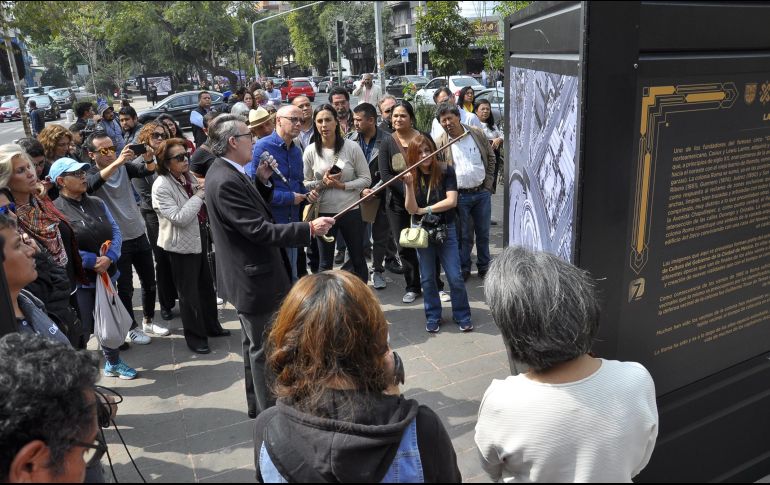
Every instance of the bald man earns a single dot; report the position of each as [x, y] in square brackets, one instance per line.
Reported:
[289, 194]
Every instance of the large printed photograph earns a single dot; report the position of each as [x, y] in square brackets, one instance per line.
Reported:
[542, 148]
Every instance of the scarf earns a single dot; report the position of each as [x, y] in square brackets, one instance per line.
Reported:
[41, 220]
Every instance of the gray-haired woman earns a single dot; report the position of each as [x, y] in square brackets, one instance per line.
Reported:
[572, 417]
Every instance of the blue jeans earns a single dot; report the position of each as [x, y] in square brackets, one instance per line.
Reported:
[476, 206]
[449, 255]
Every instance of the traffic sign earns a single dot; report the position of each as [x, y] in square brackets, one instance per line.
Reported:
[405, 54]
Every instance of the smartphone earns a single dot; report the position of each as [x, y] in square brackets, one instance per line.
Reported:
[335, 170]
[138, 149]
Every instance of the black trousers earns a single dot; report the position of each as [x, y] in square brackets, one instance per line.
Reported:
[197, 300]
[167, 293]
[398, 221]
[352, 228]
[254, 328]
[384, 246]
[137, 254]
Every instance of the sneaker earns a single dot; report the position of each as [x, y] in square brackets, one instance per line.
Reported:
[394, 267]
[466, 326]
[136, 336]
[444, 296]
[378, 281]
[220, 301]
[432, 327]
[119, 370]
[156, 329]
[409, 297]
[340, 257]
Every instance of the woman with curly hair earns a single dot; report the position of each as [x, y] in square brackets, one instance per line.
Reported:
[175, 131]
[56, 141]
[152, 135]
[340, 416]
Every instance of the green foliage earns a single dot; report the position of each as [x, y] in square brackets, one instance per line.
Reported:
[494, 44]
[274, 41]
[54, 76]
[307, 39]
[504, 9]
[424, 114]
[441, 24]
[360, 44]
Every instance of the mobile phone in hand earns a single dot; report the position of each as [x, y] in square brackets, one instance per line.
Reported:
[138, 149]
[335, 170]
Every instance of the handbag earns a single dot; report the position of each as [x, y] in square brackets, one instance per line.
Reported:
[111, 319]
[413, 237]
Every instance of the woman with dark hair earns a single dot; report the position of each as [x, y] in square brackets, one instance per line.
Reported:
[339, 415]
[177, 197]
[336, 168]
[94, 225]
[392, 161]
[493, 133]
[570, 417]
[152, 135]
[175, 131]
[466, 98]
[431, 192]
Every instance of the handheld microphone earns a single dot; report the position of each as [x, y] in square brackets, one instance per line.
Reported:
[266, 157]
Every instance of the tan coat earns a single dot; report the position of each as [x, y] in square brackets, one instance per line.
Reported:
[177, 216]
[487, 154]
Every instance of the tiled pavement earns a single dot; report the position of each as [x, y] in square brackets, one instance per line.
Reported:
[184, 418]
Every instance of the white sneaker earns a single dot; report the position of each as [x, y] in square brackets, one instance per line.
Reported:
[220, 301]
[156, 329]
[136, 336]
[410, 297]
[444, 296]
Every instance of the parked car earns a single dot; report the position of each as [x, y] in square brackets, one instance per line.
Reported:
[31, 91]
[455, 84]
[46, 102]
[64, 97]
[47, 89]
[317, 80]
[496, 98]
[327, 84]
[349, 83]
[9, 111]
[179, 106]
[396, 87]
[299, 86]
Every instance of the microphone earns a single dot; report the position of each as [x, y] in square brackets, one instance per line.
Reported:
[266, 157]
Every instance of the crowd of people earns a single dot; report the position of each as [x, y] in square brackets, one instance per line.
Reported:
[275, 192]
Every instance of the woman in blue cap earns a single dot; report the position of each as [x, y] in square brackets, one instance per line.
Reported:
[93, 225]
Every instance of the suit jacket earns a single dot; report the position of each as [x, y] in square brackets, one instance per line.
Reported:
[487, 154]
[253, 271]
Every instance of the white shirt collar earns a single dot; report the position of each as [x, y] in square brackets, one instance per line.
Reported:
[240, 168]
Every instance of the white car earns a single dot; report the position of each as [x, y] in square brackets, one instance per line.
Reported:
[455, 84]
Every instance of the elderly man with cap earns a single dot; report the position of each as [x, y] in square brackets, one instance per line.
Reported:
[261, 122]
[111, 126]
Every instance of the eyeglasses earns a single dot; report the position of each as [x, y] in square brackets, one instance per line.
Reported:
[76, 173]
[107, 150]
[386, 111]
[242, 134]
[160, 136]
[11, 207]
[182, 157]
[94, 451]
[293, 119]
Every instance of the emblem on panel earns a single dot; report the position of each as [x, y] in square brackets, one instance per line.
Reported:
[636, 290]
[764, 93]
[750, 93]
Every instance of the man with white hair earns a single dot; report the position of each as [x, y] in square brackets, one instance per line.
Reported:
[253, 270]
[367, 91]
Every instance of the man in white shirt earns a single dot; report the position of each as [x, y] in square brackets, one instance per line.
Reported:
[444, 95]
[367, 92]
[474, 163]
[273, 94]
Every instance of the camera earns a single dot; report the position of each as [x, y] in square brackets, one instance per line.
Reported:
[435, 228]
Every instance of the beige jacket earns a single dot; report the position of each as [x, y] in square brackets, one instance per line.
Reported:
[487, 154]
[177, 215]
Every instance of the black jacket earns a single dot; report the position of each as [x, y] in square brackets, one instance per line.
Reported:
[53, 288]
[306, 448]
[253, 271]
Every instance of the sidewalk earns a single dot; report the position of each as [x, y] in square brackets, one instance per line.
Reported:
[184, 418]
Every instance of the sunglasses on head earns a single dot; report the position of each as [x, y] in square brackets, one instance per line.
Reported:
[182, 157]
[11, 207]
[107, 150]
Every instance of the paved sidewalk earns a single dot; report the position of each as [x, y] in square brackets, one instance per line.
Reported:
[184, 418]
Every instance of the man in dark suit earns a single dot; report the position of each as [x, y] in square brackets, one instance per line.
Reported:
[253, 271]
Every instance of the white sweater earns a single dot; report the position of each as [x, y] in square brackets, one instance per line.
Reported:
[599, 429]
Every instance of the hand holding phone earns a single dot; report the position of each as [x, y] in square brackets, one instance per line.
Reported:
[138, 149]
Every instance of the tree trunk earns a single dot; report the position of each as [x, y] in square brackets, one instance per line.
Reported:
[17, 83]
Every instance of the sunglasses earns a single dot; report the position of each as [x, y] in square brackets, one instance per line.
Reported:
[292, 119]
[76, 173]
[160, 136]
[11, 207]
[107, 150]
[182, 157]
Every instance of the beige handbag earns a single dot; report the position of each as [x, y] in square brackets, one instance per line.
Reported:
[413, 237]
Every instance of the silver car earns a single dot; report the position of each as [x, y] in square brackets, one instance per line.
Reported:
[496, 98]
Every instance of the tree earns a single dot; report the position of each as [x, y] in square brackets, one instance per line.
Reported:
[274, 41]
[307, 38]
[54, 76]
[441, 25]
[360, 45]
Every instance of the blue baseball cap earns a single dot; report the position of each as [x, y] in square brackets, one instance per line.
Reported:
[64, 165]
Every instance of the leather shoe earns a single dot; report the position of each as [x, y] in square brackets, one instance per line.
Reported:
[394, 267]
[203, 349]
[124, 346]
[221, 333]
[166, 314]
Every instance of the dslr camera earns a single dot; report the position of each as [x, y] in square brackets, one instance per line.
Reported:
[435, 228]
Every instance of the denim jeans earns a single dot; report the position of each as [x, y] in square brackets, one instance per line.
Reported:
[449, 255]
[474, 212]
